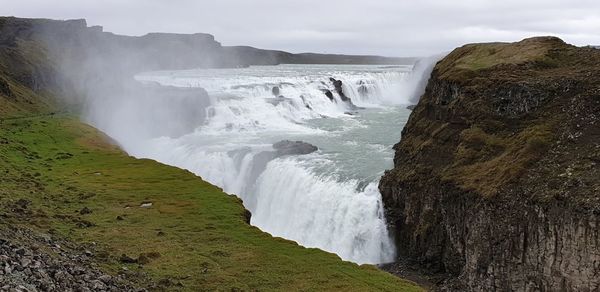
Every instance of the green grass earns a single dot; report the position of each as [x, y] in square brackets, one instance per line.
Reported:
[200, 233]
[464, 62]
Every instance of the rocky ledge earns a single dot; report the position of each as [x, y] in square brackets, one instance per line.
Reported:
[31, 261]
[496, 180]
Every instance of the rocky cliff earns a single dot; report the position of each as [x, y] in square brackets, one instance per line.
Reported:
[496, 179]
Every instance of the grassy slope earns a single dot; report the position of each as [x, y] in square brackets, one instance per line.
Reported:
[466, 61]
[62, 165]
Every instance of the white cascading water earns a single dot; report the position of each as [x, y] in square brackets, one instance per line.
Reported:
[327, 199]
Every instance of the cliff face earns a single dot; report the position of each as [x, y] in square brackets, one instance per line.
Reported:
[496, 178]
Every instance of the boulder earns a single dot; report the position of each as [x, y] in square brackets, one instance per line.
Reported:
[287, 147]
[329, 94]
[338, 85]
[275, 91]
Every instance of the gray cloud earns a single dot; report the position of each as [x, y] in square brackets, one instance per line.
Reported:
[384, 27]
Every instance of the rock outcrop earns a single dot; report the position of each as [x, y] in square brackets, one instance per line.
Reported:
[275, 91]
[329, 94]
[338, 86]
[496, 179]
[38, 262]
[287, 147]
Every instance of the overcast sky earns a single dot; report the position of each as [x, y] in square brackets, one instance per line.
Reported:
[383, 27]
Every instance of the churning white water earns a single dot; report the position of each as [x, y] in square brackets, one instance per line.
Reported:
[326, 199]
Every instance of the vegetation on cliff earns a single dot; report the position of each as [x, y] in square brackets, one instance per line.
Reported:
[498, 108]
[496, 179]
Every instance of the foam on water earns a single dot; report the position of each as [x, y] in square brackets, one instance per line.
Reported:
[314, 209]
[328, 199]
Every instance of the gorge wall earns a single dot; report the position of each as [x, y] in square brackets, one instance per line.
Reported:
[496, 178]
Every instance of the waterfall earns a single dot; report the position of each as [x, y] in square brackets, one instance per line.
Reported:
[327, 199]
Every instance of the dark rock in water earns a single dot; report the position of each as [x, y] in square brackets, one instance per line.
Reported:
[338, 85]
[340, 91]
[287, 147]
[411, 107]
[275, 90]
[329, 94]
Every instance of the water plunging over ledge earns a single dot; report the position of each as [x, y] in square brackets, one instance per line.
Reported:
[327, 199]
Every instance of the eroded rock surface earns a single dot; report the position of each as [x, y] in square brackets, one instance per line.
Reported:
[496, 179]
[30, 261]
